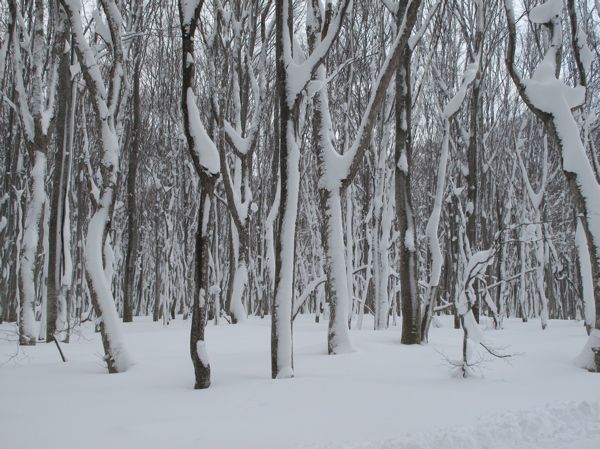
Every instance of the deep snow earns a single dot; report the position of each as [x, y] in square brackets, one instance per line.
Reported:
[384, 395]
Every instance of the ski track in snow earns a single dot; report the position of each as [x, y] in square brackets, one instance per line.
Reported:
[574, 425]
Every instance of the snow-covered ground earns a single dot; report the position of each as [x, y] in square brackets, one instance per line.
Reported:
[384, 395]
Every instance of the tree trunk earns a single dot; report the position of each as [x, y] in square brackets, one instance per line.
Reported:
[27, 327]
[285, 238]
[338, 336]
[156, 309]
[56, 296]
[199, 306]
[116, 356]
[411, 314]
[132, 209]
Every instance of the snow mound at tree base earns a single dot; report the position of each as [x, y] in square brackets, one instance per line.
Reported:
[586, 358]
[574, 425]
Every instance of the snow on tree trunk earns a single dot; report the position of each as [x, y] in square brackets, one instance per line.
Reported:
[431, 230]
[116, 355]
[522, 279]
[240, 284]
[338, 336]
[293, 75]
[475, 267]
[31, 231]
[587, 294]
[381, 268]
[431, 234]
[198, 351]
[240, 275]
[285, 243]
[205, 158]
[107, 103]
[59, 251]
[338, 340]
[409, 294]
[36, 111]
[536, 200]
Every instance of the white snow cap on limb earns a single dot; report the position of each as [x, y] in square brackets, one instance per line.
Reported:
[204, 147]
[547, 92]
[101, 28]
[587, 57]
[458, 98]
[545, 12]
[300, 68]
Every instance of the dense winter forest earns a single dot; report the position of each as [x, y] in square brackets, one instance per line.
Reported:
[337, 165]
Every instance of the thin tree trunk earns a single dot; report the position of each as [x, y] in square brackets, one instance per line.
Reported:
[132, 209]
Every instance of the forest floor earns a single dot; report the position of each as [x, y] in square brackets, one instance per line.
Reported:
[382, 396]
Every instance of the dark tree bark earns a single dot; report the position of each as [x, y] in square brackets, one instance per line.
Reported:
[8, 208]
[472, 210]
[156, 310]
[132, 209]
